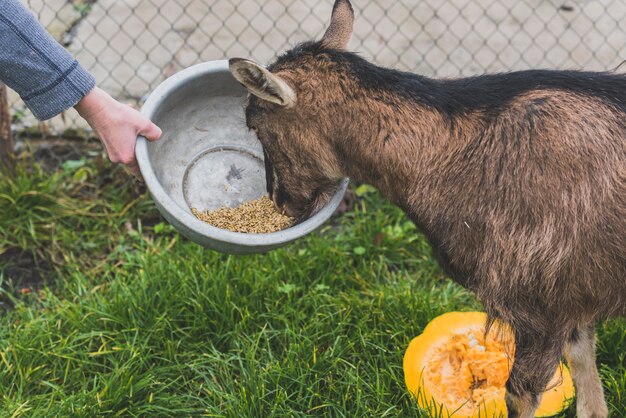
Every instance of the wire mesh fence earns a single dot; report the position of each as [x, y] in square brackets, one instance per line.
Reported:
[130, 46]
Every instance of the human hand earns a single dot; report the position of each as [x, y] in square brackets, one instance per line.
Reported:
[117, 125]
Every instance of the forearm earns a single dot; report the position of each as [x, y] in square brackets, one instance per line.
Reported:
[38, 68]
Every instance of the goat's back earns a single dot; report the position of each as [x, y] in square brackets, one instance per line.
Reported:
[541, 189]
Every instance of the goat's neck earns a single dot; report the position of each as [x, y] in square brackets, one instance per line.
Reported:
[394, 146]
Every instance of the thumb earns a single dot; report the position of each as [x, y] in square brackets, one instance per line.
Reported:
[151, 131]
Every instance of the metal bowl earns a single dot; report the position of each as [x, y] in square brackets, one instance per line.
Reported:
[207, 159]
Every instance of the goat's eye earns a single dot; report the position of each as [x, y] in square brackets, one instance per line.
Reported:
[255, 129]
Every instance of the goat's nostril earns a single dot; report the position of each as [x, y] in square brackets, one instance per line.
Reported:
[280, 207]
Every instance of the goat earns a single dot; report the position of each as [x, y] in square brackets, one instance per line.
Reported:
[518, 180]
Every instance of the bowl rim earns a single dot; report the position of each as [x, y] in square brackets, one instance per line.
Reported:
[165, 203]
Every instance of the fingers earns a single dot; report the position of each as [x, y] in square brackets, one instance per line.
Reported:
[118, 125]
[151, 132]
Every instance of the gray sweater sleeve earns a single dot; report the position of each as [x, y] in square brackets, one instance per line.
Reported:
[37, 67]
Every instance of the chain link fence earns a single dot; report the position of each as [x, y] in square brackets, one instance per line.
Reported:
[130, 46]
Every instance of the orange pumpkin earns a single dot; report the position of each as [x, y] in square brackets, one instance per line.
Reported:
[455, 371]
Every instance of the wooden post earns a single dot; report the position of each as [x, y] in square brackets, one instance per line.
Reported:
[6, 141]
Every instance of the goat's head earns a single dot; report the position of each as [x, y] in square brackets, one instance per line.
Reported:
[288, 109]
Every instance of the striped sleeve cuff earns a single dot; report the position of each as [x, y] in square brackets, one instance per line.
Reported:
[61, 94]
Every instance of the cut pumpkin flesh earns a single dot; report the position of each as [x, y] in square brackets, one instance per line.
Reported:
[455, 371]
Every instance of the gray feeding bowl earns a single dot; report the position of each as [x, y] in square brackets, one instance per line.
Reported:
[207, 159]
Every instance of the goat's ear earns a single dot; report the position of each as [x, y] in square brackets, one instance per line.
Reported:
[261, 82]
[339, 31]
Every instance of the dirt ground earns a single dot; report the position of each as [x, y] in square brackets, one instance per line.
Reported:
[132, 45]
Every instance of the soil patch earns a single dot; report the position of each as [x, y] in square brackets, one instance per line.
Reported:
[24, 274]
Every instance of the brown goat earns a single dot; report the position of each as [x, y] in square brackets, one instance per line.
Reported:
[518, 180]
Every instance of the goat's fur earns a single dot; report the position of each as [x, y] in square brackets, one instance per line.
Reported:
[518, 180]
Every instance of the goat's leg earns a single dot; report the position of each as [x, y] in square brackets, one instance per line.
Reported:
[536, 359]
[580, 352]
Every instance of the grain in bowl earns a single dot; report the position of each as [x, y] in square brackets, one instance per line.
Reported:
[258, 216]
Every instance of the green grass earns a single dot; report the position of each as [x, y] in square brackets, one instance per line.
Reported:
[134, 320]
